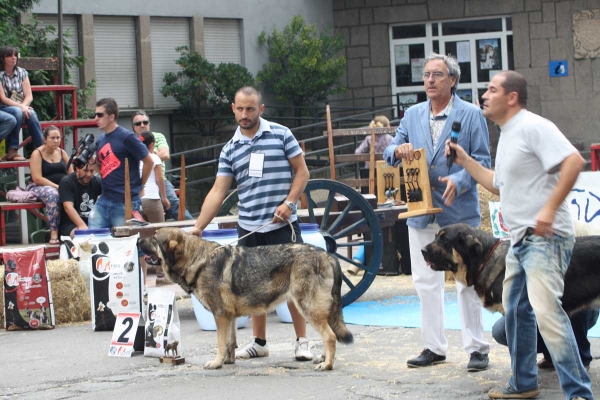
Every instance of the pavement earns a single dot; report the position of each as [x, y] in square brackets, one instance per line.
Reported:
[72, 361]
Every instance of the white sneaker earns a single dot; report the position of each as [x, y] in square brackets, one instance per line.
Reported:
[302, 350]
[252, 350]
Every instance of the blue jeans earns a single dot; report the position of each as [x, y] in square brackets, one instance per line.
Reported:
[33, 125]
[107, 214]
[581, 322]
[174, 200]
[533, 287]
[7, 125]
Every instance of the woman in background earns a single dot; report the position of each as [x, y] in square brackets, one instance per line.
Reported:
[155, 195]
[48, 165]
[15, 99]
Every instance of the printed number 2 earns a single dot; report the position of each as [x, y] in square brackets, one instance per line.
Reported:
[123, 337]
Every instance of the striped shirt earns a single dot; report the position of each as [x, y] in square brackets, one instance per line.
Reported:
[14, 82]
[260, 197]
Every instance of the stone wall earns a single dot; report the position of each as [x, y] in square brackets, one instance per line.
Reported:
[542, 31]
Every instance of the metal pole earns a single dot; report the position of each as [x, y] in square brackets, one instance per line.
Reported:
[61, 61]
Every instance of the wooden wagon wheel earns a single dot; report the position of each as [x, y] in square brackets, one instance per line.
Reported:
[337, 223]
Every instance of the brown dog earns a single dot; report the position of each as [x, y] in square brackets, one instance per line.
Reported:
[237, 281]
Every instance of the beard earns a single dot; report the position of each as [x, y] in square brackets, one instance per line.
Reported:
[248, 123]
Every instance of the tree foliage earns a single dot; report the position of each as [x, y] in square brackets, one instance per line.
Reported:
[304, 67]
[33, 41]
[204, 90]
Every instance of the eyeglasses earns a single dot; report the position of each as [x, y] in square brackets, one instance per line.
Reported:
[140, 123]
[436, 75]
[99, 115]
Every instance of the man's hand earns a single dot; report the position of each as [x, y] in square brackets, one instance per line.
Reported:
[544, 220]
[450, 193]
[405, 152]
[461, 154]
[282, 213]
[196, 232]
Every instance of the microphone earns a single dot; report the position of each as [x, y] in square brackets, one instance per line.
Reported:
[454, 139]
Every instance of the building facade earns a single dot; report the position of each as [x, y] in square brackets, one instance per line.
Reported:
[386, 40]
[129, 46]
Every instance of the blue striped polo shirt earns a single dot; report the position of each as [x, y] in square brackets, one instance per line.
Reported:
[260, 197]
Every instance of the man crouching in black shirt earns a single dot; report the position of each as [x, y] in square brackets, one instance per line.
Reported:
[78, 193]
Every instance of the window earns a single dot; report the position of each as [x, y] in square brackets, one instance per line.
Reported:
[70, 35]
[222, 41]
[166, 34]
[482, 46]
[116, 61]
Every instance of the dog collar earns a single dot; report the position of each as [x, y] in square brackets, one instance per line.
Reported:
[489, 256]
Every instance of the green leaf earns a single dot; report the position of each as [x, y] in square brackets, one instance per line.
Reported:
[304, 67]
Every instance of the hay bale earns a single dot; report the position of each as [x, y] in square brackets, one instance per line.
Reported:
[69, 293]
[484, 197]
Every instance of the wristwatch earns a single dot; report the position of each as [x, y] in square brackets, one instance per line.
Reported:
[290, 205]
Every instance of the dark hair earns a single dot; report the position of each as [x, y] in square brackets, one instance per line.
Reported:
[110, 105]
[249, 91]
[48, 129]
[138, 112]
[147, 138]
[515, 82]
[7, 51]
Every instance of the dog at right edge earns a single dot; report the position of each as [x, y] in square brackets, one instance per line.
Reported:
[233, 281]
[478, 259]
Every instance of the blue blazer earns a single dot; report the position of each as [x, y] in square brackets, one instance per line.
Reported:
[474, 138]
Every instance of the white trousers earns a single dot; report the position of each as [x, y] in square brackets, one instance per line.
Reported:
[430, 288]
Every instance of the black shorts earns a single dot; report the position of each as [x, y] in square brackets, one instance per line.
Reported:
[282, 235]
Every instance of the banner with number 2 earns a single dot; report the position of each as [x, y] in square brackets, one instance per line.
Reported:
[123, 336]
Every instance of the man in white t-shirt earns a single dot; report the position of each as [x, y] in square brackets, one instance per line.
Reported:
[536, 167]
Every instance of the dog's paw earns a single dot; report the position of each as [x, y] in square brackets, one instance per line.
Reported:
[319, 359]
[324, 366]
[212, 365]
[230, 360]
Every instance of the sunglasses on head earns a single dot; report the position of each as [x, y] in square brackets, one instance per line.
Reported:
[140, 123]
[99, 115]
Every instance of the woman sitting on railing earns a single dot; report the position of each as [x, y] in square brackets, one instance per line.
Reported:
[15, 98]
[48, 165]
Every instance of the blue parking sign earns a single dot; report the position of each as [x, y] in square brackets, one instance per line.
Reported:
[558, 68]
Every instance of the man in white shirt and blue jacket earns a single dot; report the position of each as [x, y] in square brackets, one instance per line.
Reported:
[428, 125]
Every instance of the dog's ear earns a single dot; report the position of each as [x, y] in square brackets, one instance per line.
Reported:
[474, 247]
[172, 245]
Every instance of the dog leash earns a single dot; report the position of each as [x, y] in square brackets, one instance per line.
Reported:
[489, 256]
[258, 229]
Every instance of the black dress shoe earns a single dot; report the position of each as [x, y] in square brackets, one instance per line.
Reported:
[544, 363]
[478, 362]
[426, 359]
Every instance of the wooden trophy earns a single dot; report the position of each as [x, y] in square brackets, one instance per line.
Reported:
[418, 190]
[388, 184]
[171, 355]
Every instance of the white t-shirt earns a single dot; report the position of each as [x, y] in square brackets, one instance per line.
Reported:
[151, 189]
[530, 151]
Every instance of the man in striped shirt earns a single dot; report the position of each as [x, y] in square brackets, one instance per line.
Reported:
[271, 174]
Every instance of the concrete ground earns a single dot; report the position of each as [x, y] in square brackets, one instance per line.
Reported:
[71, 362]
